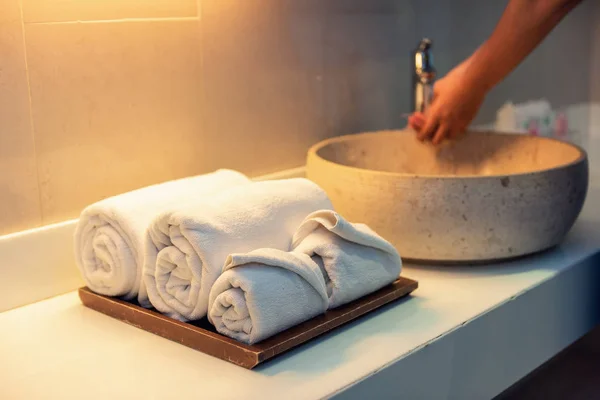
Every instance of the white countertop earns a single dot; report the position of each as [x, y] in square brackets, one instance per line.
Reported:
[467, 332]
[59, 349]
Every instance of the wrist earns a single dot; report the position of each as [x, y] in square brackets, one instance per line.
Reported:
[477, 76]
[476, 80]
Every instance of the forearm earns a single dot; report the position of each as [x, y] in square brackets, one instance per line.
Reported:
[524, 24]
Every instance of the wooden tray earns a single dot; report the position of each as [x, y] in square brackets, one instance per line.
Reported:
[201, 335]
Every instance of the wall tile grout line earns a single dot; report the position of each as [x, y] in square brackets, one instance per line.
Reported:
[31, 121]
[112, 21]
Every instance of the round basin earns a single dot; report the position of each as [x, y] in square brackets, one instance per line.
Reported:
[488, 196]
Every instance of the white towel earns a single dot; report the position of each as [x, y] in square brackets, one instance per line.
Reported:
[264, 292]
[186, 249]
[355, 260]
[110, 234]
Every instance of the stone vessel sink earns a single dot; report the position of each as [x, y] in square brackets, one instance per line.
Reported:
[488, 196]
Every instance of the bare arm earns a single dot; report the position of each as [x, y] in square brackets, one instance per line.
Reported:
[458, 96]
[524, 24]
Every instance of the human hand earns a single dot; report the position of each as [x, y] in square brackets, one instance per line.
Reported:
[456, 101]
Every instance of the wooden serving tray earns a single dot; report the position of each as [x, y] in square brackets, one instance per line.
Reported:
[202, 336]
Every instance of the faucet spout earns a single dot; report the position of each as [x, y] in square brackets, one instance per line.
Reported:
[423, 76]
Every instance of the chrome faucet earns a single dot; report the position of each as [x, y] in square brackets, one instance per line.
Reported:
[423, 76]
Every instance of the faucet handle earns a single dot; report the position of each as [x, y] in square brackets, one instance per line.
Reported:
[425, 44]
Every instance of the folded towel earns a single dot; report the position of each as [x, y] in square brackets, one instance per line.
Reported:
[264, 292]
[110, 234]
[355, 260]
[333, 262]
[186, 249]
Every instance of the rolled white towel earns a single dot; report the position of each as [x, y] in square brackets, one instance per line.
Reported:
[186, 249]
[333, 262]
[110, 234]
[354, 259]
[264, 292]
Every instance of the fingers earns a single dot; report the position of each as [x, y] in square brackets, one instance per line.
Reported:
[416, 121]
[430, 126]
[419, 116]
[442, 132]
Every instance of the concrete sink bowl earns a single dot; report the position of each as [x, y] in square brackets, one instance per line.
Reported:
[489, 196]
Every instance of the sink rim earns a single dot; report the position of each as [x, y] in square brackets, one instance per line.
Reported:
[314, 149]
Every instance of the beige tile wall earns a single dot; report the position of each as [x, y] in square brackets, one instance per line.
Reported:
[99, 10]
[128, 93]
[19, 193]
[98, 97]
[262, 97]
[595, 54]
[115, 106]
